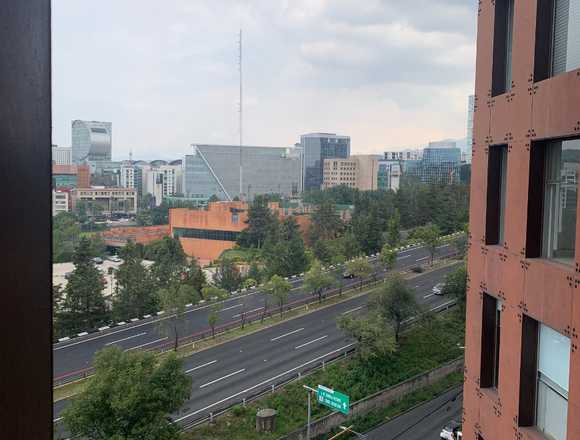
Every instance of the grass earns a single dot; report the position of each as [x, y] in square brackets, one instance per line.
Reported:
[427, 346]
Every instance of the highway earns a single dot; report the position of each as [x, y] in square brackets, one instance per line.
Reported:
[73, 359]
[424, 422]
[229, 372]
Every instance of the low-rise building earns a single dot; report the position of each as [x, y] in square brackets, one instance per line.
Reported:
[60, 202]
[70, 176]
[107, 200]
[61, 155]
[360, 171]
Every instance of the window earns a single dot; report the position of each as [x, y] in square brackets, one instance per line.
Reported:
[552, 385]
[558, 38]
[490, 342]
[502, 47]
[496, 195]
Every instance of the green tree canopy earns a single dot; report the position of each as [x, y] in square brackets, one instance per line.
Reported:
[65, 236]
[372, 332]
[227, 275]
[173, 300]
[130, 397]
[261, 222]
[278, 288]
[316, 280]
[395, 303]
[325, 222]
[284, 252]
[456, 285]
[360, 268]
[388, 256]
[431, 238]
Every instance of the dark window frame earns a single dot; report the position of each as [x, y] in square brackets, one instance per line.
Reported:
[502, 47]
[490, 343]
[495, 197]
[25, 131]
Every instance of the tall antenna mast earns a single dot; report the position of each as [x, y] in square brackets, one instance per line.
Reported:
[241, 109]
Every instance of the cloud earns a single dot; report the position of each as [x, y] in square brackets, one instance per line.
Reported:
[387, 72]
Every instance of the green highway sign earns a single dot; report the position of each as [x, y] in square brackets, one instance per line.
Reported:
[333, 399]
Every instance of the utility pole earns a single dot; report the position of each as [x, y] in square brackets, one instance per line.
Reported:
[310, 391]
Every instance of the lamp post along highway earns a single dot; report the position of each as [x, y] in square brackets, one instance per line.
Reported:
[310, 390]
[329, 398]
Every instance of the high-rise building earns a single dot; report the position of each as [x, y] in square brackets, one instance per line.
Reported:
[61, 155]
[215, 170]
[389, 175]
[91, 141]
[440, 164]
[466, 153]
[315, 148]
[408, 154]
[522, 354]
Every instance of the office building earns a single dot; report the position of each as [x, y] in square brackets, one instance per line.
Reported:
[214, 170]
[61, 155]
[91, 141]
[70, 176]
[106, 201]
[408, 154]
[466, 153]
[522, 354]
[60, 202]
[316, 147]
[440, 164]
[359, 172]
[389, 175]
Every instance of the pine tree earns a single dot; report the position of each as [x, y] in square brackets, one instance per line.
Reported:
[84, 307]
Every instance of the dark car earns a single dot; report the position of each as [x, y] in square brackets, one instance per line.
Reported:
[451, 431]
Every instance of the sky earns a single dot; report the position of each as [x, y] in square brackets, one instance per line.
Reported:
[389, 73]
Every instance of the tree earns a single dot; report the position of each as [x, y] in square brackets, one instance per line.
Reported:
[169, 260]
[56, 304]
[460, 245]
[254, 272]
[135, 294]
[284, 250]
[249, 283]
[261, 222]
[194, 276]
[395, 302]
[456, 285]
[65, 236]
[431, 237]
[393, 229]
[84, 307]
[278, 288]
[360, 268]
[373, 334]
[213, 317]
[227, 275]
[350, 247]
[316, 280]
[130, 397]
[338, 271]
[174, 299]
[388, 256]
[214, 293]
[325, 222]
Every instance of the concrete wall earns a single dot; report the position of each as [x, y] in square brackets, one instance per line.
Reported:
[378, 400]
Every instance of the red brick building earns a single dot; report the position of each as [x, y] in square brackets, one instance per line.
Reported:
[522, 372]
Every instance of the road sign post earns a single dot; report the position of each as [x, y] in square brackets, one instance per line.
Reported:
[333, 399]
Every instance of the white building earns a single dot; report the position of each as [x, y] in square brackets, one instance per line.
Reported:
[60, 202]
[389, 175]
[466, 153]
[407, 154]
[61, 155]
[128, 175]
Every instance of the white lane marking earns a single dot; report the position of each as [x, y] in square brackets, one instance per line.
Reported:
[420, 259]
[222, 378]
[286, 334]
[200, 366]
[403, 257]
[128, 337]
[443, 246]
[239, 393]
[148, 343]
[428, 296]
[311, 342]
[352, 310]
[57, 420]
[249, 311]
[232, 307]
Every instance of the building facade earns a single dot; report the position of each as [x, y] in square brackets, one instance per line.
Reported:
[60, 202]
[91, 141]
[316, 147]
[440, 164]
[61, 155]
[389, 175]
[522, 356]
[107, 201]
[408, 154]
[70, 176]
[359, 172]
[466, 153]
[214, 170]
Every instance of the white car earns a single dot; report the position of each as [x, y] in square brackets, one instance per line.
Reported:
[451, 431]
[438, 289]
[115, 259]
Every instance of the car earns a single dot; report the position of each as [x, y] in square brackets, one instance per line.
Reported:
[347, 275]
[115, 259]
[438, 289]
[451, 431]
[98, 260]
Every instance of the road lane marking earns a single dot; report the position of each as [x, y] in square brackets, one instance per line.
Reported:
[311, 342]
[286, 334]
[421, 259]
[232, 307]
[147, 343]
[200, 366]
[222, 378]
[249, 311]
[403, 257]
[239, 393]
[352, 310]
[428, 296]
[124, 339]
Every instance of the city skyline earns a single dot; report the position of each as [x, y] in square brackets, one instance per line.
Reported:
[164, 87]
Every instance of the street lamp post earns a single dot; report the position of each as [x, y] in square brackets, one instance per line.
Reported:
[310, 391]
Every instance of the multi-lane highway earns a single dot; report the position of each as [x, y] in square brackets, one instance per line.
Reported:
[230, 372]
[73, 358]
[423, 422]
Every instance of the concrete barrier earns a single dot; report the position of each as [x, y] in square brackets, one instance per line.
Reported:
[378, 400]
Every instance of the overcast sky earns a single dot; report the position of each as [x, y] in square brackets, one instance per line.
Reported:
[389, 73]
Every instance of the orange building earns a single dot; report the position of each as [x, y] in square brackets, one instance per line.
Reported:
[118, 237]
[205, 234]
